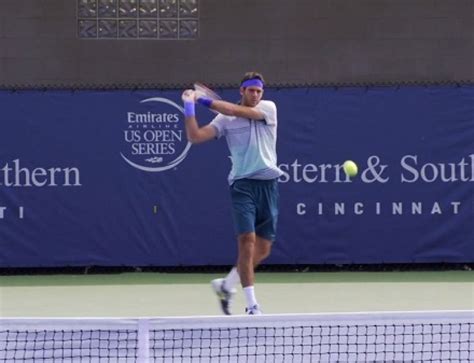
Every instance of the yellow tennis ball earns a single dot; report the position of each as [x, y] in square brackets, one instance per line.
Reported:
[350, 168]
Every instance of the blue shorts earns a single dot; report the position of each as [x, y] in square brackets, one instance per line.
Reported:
[255, 207]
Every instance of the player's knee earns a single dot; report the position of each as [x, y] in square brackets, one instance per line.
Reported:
[247, 241]
[263, 247]
[265, 250]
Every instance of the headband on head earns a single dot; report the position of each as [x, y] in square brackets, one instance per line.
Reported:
[252, 82]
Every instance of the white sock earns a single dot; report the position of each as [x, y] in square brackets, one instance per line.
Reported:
[249, 292]
[232, 279]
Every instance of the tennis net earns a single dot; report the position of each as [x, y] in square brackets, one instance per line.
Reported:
[440, 336]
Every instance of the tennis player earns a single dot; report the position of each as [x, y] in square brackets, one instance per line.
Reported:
[250, 129]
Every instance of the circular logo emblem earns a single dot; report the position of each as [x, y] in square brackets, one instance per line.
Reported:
[154, 136]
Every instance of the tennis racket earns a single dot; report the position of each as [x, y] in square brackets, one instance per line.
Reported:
[203, 91]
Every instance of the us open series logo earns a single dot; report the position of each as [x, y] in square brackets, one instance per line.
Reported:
[154, 136]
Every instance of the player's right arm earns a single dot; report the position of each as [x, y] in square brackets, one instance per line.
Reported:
[194, 132]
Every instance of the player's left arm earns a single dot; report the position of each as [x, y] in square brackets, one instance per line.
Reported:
[231, 109]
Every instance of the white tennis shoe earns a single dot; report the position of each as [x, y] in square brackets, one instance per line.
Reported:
[225, 296]
[254, 310]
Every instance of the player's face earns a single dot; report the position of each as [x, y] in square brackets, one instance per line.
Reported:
[251, 96]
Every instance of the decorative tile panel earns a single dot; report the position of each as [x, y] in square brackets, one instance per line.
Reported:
[128, 29]
[138, 19]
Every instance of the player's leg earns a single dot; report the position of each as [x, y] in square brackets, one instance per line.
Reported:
[265, 229]
[252, 250]
[243, 208]
[265, 194]
[225, 287]
[261, 251]
[244, 195]
[266, 219]
[257, 250]
[263, 248]
[245, 264]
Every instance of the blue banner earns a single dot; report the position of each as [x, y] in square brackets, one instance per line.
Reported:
[109, 179]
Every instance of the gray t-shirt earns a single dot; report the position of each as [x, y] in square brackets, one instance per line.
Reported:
[252, 143]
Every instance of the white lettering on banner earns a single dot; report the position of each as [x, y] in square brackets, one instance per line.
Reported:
[312, 173]
[436, 172]
[301, 209]
[374, 171]
[393, 208]
[152, 149]
[162, 135]
[155, 142]
[11, 212]
[132, 136]
[150, 117]
[15, 175]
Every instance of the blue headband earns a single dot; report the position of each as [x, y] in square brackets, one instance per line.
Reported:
[252, 82]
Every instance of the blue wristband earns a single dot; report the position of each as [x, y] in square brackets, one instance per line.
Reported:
[207, 102]
[189, 109]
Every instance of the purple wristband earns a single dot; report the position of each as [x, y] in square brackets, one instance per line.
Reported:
[189, 110]
[207, 102]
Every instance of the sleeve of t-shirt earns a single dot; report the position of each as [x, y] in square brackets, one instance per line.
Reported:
[269, 110]
[219, 124]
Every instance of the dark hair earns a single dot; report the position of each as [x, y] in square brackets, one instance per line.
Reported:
[252, 75]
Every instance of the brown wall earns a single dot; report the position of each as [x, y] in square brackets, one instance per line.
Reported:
[291, 42]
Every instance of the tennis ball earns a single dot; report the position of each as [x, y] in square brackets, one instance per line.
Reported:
[350, 168]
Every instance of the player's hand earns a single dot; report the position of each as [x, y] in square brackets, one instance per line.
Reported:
[189, 96]
[199, 94]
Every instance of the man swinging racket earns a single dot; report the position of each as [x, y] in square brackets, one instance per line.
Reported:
[250, 129]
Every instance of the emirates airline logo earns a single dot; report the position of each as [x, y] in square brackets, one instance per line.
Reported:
[154, 138]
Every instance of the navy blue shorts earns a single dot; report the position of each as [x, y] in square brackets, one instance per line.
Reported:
[255, 207]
